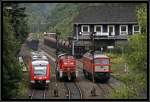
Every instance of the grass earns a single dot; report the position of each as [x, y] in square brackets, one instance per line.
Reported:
[23, 87]
[134, 81]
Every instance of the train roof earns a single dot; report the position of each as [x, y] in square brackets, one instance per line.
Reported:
[89, 55]
[65, 55]
[62, 54]
[39, 62]
[39, 56]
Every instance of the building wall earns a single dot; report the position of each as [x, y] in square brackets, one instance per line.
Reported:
[130, 29]
[117, 28]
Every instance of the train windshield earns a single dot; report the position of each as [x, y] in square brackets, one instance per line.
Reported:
[101, 61]
[40, 69]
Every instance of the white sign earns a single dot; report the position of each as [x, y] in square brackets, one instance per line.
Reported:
[20, 59]
[110, 47]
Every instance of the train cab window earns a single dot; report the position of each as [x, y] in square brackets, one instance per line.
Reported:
[101, 61]
[97, 61]
[105, 61]
[40, 69]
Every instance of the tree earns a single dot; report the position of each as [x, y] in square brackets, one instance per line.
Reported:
[11, 46]
[142, 18]
[137, 48]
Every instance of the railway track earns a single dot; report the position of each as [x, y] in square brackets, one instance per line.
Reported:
[73, 90]
[106, 88]
[38, 94]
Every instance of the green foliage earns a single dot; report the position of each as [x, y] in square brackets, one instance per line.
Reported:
[9, 60]
[136, 57]
[19, 22]
[13, 37]
[142, 18]
[23, 87]
[137, 51]
[62, 18]
[37, 16]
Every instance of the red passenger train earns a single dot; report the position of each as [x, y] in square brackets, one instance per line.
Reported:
[66, 67]
[99, 67]
[39, 70]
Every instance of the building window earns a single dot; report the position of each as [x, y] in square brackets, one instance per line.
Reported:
[97, 28]
[111, 29]
[123, 29]
[85, 28]
[135, 29]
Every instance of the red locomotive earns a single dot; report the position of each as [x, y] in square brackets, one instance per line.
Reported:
[39, 70]
[99, 67]
[66, 67]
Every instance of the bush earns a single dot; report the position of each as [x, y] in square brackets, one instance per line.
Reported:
[137, 51]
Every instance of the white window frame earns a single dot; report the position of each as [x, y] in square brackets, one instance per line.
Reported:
[113, 29]
[83, 32]
[95, 26]
[125, 31]
[133, 31]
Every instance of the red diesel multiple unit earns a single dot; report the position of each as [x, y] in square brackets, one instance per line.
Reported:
[39, 70]
[97, 66]
[66, 67]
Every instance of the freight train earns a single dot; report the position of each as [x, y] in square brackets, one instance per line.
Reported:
[96, 66]
[62, 44]
[66, 67]
[32, 43]
[39, 70]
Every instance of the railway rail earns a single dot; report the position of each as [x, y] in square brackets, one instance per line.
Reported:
[73, 90]
[38, 94]
[105, 87]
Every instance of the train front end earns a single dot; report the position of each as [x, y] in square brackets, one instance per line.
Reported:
[67, 67]
[102, 68]
[39, 73]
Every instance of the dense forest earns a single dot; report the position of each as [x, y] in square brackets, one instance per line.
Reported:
[15, 31]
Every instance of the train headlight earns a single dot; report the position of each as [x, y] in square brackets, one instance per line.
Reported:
[65, 63]
[32, 81]
[47, 81]
[72, 63]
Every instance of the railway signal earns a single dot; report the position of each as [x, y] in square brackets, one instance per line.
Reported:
[93, 50]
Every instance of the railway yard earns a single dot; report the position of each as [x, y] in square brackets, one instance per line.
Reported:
[75, 51]
[82, 88]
